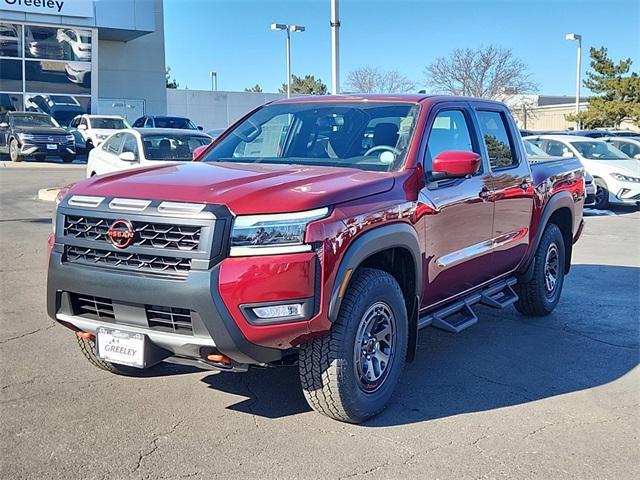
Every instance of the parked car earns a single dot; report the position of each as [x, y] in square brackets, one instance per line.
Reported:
[24, 134]
[587, 133]
[630, 146]
[133, 148]
[9, 40]
[79, 41]
[91, 130]
[40, 43]
[79, 72]
[61, 107]
[292, 241]
[617, 177]
[623, 133]
[163, 121]
[536, 154]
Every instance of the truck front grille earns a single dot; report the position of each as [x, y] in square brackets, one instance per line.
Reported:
[95, 307]
[147, 234]
[171, 319]
[132, 261]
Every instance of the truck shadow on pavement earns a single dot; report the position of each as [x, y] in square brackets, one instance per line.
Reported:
[506, 359]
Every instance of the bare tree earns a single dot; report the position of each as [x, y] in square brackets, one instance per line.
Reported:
[375, 80]
[486, 72]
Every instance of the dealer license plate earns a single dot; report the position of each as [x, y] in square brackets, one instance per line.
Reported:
[117, 346]
[52, 146]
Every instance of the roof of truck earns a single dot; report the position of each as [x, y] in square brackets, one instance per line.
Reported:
[384, 97]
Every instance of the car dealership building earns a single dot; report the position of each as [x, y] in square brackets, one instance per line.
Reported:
[66, 57]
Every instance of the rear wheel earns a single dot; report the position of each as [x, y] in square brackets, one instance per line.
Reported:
[350, 373]
[602, 194]
[88, 348]
[14, 151]
[541, 294]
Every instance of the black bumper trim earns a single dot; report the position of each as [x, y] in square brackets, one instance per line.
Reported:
[198, 292]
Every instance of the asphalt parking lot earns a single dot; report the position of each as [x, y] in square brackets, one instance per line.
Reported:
[512, 397]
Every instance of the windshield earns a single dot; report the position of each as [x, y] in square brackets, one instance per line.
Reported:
[365, 135]
[174, 122]
[535, 151]
[26, 120]
[172, 146]
[599, 151]
[108, 123]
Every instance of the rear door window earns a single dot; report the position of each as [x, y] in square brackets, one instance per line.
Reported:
[494, 130]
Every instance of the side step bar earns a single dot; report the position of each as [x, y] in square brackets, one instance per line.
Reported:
[459, 315]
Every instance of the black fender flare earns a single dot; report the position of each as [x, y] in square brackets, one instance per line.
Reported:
[396, 235]
[562, 199]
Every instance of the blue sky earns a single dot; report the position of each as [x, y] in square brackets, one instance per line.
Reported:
[233, 37]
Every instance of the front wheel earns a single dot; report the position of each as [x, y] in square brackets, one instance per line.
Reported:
[350, 373]
[14, 151]
[67, 158]
[602, 194]
[539, 296]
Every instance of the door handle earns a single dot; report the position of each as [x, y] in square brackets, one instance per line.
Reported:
[485, 193]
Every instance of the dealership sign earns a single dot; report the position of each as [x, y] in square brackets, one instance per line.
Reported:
[68, 8]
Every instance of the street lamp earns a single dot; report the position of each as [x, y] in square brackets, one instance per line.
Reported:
[577, 38]
[335, 47]
[214, 77]
[288, 28]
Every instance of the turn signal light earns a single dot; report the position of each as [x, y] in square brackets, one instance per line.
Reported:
[85, 335]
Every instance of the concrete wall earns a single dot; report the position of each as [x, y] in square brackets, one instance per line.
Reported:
[135, 70]
[214, 109]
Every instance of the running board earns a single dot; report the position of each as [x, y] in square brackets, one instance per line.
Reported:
[459, 315]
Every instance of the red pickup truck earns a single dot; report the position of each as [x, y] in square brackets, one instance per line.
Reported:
[325, 231]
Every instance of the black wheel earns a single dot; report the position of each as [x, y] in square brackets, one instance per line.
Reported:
[602, 194]
[68, 158]
[89, 349]
[14, 151]
[541, 294]
[350, 373]
[41, 158]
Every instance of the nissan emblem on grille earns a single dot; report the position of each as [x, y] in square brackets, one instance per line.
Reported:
[121, 233]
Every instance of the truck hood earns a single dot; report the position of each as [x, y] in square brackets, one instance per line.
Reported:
[244, 188]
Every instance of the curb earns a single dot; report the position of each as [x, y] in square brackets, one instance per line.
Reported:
[48, 194]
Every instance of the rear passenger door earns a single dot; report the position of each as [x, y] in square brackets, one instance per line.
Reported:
[457, 234]
[512, 188]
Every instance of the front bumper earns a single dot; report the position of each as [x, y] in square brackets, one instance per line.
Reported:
[214, 330]
[624, 193]
[32, 148]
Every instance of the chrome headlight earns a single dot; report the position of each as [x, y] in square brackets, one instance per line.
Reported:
[54, 214]
[625, 178]
[273, 233]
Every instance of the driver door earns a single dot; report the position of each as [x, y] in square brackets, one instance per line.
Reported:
[458, 224]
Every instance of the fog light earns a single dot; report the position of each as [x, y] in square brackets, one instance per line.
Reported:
[279, 311]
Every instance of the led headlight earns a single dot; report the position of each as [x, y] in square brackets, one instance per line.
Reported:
[273, 233]
[25, 136]
[625, 178]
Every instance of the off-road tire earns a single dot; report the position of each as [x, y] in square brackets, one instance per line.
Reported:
[534, 298]
[604, 194]
[327, 366]
[88, 347]
[68, 158]
[14, 151]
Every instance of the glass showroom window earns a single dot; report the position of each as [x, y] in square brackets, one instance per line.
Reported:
[46, 69]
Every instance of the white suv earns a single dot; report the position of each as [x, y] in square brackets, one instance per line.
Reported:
[617, 177]
[91, 130]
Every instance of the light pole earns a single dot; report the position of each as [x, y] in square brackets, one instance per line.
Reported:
[214, 78]
[288, 29]
[578, 38]
[335, 47]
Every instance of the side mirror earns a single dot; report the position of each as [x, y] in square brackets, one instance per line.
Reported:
[82, 127]
[200, 128]
[455, 164]
[198, 151]
[4, 125]
[637, 156]
[567, 155]
[127, 157]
